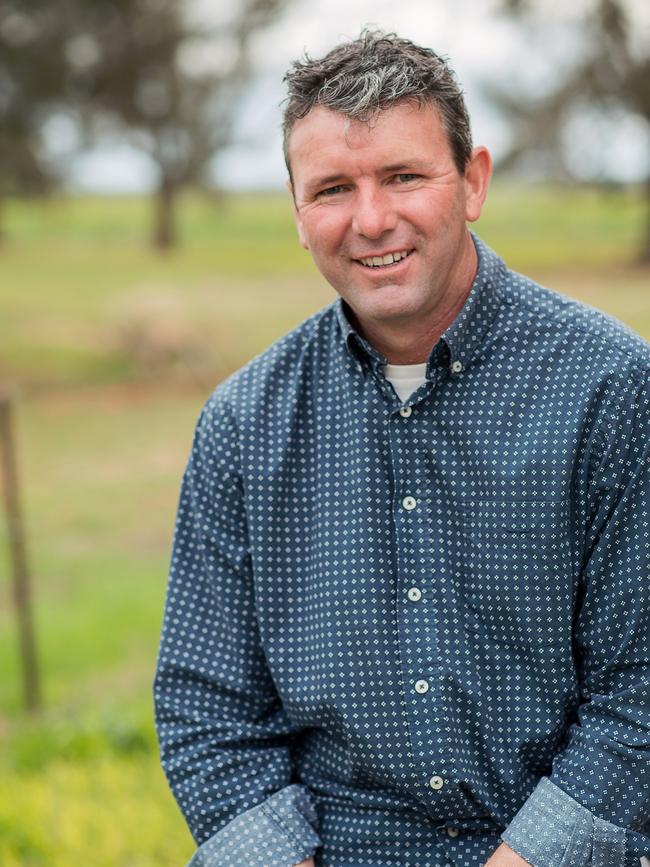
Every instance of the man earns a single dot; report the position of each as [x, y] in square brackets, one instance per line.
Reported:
[408, 613]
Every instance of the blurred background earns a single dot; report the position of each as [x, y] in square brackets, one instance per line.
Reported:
[147, 250]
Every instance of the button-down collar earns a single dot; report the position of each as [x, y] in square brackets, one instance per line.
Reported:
[466, 333]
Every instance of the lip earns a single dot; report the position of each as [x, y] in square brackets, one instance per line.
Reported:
[384, 269]
[370, 253]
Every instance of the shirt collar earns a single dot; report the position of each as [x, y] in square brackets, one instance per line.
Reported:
[357, 346]
[459, 342]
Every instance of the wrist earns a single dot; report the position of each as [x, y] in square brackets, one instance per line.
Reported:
[504, 856]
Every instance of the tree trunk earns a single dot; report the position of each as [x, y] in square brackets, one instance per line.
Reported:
[164, 236]
[18, 556]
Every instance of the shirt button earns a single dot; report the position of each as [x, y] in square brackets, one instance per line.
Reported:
[421, 686]
[405, 411]
[436, 783]
[409, 503]
[457, 367]
[414, 594]
[453, 832]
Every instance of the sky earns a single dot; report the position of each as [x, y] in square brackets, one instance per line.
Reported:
[482, 46]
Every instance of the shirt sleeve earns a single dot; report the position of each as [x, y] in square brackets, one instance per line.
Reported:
[595, 807]
[225, 740]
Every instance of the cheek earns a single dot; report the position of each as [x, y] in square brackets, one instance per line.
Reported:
[324, 235]
[323, 242]
[430, 213]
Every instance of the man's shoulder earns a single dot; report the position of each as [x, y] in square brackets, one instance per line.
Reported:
[275, 370]
[581, 324]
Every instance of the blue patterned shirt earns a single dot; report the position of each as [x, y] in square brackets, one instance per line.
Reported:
[398, 633]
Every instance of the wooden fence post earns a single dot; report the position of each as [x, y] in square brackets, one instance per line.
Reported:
[18, 557]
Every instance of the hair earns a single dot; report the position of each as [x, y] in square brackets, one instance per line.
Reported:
[374, 72]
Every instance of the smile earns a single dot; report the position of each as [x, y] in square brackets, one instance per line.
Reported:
[387, 259]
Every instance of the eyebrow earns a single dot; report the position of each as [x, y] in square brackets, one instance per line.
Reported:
[327, 181]
[396, 168]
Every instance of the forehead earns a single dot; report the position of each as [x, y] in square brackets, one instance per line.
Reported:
[403, 130]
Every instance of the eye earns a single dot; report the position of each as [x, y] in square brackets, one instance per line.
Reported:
[406, 177]
[332, 191]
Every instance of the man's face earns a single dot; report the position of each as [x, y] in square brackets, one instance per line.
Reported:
[390, 192]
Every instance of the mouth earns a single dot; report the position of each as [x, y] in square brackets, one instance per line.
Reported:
[385, 262]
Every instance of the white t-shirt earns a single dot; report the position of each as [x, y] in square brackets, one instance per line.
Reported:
[406, 378]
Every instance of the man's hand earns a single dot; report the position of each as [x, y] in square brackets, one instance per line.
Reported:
[505, 857]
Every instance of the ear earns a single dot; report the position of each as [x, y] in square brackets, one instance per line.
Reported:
[296, 217]
[477, 178]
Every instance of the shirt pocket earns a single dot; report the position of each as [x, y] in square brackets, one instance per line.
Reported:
[515, 585]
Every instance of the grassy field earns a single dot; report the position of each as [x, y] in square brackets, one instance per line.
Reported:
[113, 350]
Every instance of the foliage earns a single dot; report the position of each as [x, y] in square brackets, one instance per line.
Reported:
[32, 78]
[102, 813]
[609, 69]
[130, 68]
[136, 72]
[612, 70]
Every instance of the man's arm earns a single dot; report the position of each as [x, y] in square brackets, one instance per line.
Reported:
[224, 737]
[597, 799]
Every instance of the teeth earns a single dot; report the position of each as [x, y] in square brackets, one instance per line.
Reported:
[388, 259]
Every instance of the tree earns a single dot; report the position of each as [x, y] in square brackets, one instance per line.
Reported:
[125, 66]
[32, 79]
[613, 70]
[135, 70]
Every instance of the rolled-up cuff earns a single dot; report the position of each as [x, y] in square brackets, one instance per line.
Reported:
[553, 830]
[279, 832]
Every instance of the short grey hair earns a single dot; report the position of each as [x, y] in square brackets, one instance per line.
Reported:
[372, 73]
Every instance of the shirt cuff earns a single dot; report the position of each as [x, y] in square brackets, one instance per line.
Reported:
[553, 830]
[276, 833]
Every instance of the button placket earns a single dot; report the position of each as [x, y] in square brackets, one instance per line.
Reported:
[417, 613]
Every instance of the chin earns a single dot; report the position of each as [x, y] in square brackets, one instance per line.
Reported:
[392, 309]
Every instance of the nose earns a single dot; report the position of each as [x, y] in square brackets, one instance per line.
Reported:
[374, 213]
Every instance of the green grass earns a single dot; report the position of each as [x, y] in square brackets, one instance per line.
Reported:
[99, 807]
[81, 783]
[114, 349]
